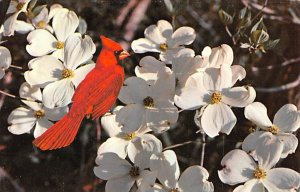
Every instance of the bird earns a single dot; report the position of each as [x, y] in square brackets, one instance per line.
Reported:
[93, 97]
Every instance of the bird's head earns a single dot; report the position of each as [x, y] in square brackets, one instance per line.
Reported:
[114, 47]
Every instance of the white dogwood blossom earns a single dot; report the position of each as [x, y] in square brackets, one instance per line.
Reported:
[161, 38]
[35, 115]
[5, 60]
[286, 121]
[59, 79]
[165, 165]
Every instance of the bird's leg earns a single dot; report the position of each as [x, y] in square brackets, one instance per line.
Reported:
[89, 111]
[98, 126]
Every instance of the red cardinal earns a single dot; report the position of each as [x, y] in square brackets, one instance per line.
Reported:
[93, 97]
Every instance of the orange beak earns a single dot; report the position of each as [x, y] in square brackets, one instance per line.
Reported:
[123, 55]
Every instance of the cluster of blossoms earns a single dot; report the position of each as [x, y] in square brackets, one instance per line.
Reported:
[179, 79]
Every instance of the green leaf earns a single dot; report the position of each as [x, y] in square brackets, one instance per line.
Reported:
[271, 44]
[259, 36]
[225, 17]
[169, 5]
[244, 18]
[259, 26]
[31, 5]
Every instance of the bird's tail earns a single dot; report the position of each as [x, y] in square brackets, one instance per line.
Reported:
[61, 134]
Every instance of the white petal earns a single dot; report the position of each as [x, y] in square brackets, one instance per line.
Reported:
[192, 94]
[145, 180]
[165, 28]
[81, 72]
[250, 142]
[54, 9]
[157, 188]
[109, 123]
[41, 126]
[182, 36]
[58, 93]
[168, 55]
[253, 185]
[41, 42]
[194, 179]
[110, 166]
[217, 118]
[222, 55]
[238, 96]
[42, 16]
[143, 45]
[290, 143]
[114, 145]
[22, 121]
[287, 118]
[257, 113]
[164, 89]
[64, 23]
[78, 50]
[21, 128]
[12, 8]
[131, 117]
[206, 52]
[2, 73]
[23, 27]
[153, 33]
[238, 167]
[9, 25]
[215, 79]
[123, 184]
[44, 70]
[238, 73]
[55, 114]
[33, 93]
[135, 90]
[5, 58]
[283, 179]
[166, 166]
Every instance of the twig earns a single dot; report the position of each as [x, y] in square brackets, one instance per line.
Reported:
[178, 145]
[98, 126]
[203, 150]
[16, 67]
[261, 10]
[20, 98]
[285, 63]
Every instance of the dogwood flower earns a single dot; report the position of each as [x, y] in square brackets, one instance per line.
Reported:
[240, 167]
[213, 90]
[193, 179]
[11, 24]
[149, 105]
[35, 115]
[41, 21]
[131, 142]
[42, 42]
[286, 121]
[58, 79]
[160, 38]
[122, 175]
[5, 60]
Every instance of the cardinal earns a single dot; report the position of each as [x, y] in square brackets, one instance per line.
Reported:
[93, 97]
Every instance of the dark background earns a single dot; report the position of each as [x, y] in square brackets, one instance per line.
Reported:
[24, 168]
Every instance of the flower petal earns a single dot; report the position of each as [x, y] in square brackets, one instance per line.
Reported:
[32, 93]
[23, 27]
[290, 143]
[182, 36]
[282, 179]
[146, 180]
[41, 42]
[81, 72]
[54, 9]
[58, 93]
[165, 28]
[41, 17]
[257, 113]
[222, 55]
[287, 118]
[44, 70]
[251, 186]
[114, 145]
[9, 25]
[109, 123]
[168, 55]
[41, 126]
[216, 79]
[238, 167]
[250, 142]
[238, 73]
[110, 166]
[194, 179]
[5, 58]
[217, 118]
[55, 114]
[144, 45]
[238, 96]
[123, 184]
[64, 23]
[166, 166]
[153, 33]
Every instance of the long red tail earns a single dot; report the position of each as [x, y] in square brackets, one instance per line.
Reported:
[61, 134]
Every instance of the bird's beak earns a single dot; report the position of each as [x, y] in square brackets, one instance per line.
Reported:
[123, 55]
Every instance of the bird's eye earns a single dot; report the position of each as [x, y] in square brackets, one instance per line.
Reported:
[117, 52]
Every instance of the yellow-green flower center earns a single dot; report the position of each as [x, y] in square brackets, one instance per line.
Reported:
[273, 129]
[134, 172]
[148, 102]
[59, 45]
[41, 25]
[174, 190]
[163, 47]
[259, 173]
[39, 114]
[130, 136]
[67, 73]
[20, 6]
[216, 97]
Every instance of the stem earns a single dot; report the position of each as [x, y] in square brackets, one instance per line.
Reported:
[16, 67]
[20, 98]
[203, 149]
[261, 10]
[178, 145]
[230, 35]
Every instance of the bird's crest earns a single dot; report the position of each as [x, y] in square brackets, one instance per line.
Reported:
[110, 44]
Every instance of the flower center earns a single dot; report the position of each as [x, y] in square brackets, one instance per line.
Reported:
[259, 173]
[41, 25]
[216, 97]
[67, 73]
[148, 102]
[134, 172]
[174, 190]
[129, 136]
[273, 129]
[39, 114]
[163, 47]
[20, 6]
[59, 45]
